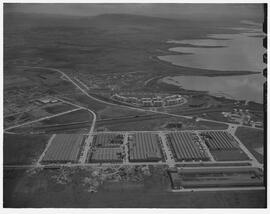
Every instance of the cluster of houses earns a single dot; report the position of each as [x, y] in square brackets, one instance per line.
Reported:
[242, 117]
[151, 102]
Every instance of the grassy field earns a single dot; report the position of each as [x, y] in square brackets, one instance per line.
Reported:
[41, 190]
[23, 149]
[127, 43]
[72, 117]
[211, 125]
[234, 155]
[253, 139]
[55, 109]
[78, 121]
[154, 122]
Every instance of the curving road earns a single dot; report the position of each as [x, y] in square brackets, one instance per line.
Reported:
[129, 107]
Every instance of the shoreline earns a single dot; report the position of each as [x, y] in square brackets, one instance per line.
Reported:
[202, 72]
[173, 82]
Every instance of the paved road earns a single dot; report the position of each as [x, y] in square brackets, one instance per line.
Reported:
[113, 104]
[206, 149]
[169, 159]
[45, 150]
[40, 119]
[81, 83]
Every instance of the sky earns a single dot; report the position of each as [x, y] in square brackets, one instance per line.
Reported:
[210, 11]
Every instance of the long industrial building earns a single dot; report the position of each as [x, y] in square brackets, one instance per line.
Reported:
[64, 148]
[108, 140]
[107, 148]
[186, 147]
[219, 140]
[144, 147]
[102, 155]
[216, 177]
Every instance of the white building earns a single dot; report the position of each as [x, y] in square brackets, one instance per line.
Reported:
[147, 103]
[158, 103]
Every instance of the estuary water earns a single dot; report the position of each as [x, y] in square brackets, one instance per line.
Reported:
[245, 87]
[222, 52]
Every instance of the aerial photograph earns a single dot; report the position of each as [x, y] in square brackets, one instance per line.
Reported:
[134, 105]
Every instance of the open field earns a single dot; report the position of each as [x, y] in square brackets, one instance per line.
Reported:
[78, 121]
[22, 189]
[59, 108]
[23, 149]
[211, 125]
[253, 139]
[35, 112]
[72, 117]
[229, 155]
[153, 122]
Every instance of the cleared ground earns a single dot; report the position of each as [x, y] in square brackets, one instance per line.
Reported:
[78, 121]
[253, 139]
[73, 117]
[23, 149]
[153, 122]
[59, 108]
[41, 190]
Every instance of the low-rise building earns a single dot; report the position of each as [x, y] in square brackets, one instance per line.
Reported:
[171, 102]
[147, 103]
[146, 99]
[158, 103]
[132, 99]
[45, 100]
[258, 124]
[120, 98]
